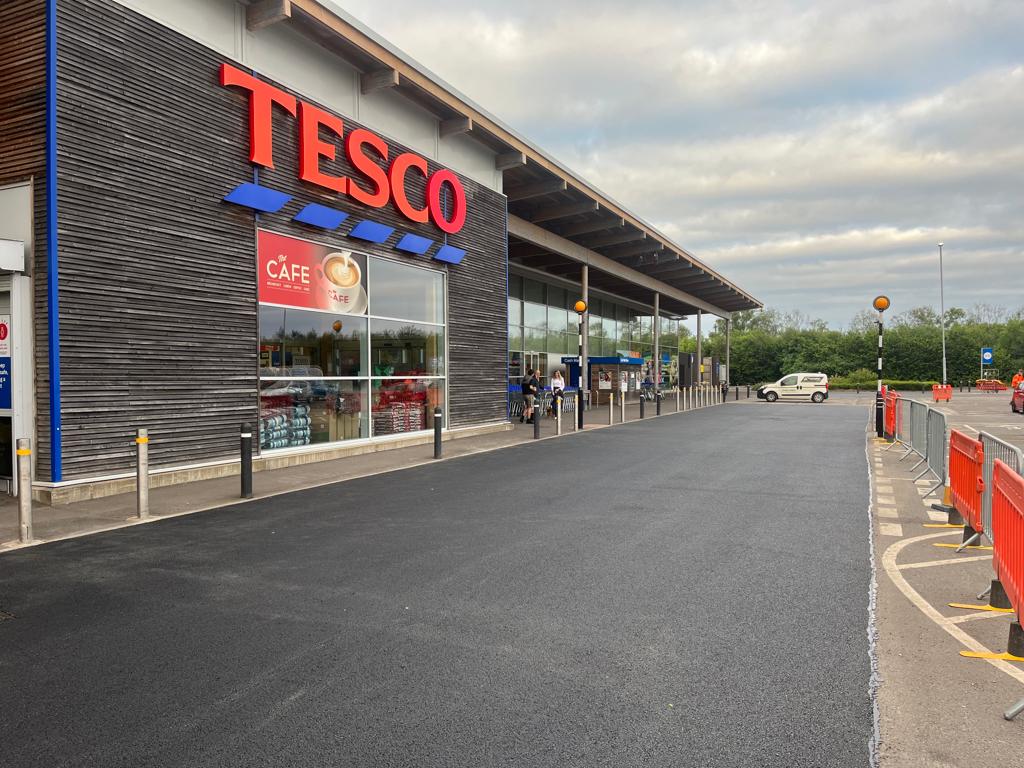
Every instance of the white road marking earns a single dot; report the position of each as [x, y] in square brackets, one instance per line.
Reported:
[950, 561]
[979, 615]
[893, 571]
[891, 500]
[934, 515]
[890, 529]
[884, 488]
[887, 512]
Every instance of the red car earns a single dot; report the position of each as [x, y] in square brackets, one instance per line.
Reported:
[1017, 402]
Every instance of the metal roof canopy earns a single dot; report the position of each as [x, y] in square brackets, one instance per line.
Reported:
[547, 202]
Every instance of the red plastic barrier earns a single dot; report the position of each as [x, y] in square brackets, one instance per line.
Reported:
[889, 424]
[942, 392]
[966, 485]
[1008, 528]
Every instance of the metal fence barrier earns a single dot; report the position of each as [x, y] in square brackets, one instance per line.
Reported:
[922, 431]
[1010, 455]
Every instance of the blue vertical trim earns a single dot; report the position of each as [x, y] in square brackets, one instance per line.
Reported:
[508, 345]
[52, 306]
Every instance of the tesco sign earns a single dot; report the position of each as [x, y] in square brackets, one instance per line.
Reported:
[366, 152]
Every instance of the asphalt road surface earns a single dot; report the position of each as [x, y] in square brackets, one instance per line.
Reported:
[686, 591]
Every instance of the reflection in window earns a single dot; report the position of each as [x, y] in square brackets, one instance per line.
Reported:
[789, 381]
[401, 348]
[397, 290]
[296, 342]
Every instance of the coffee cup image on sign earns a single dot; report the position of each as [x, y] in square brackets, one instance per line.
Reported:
[341, 279]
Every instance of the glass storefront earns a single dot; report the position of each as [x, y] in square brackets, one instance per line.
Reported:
[328, 376]
[542, 328]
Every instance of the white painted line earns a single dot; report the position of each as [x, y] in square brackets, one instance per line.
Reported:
[893, 571]
[950, 561]
[884, 488]
[979, 615]
[890, 500]
[934, 515]
[890, 529]
[888, 512]
[924, 483]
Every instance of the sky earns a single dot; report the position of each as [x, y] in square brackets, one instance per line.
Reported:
[813, 152]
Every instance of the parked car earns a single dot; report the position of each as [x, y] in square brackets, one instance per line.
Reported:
[1017, 401]
[796, 386]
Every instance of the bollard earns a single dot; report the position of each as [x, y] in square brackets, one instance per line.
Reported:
[611, 407]
[575, 423]
[657, 403]
[438, 425]
[642, 399]
[536, 422]
[579, 406]
[748, 391]
[245, 436]
[677, 399]
[142, 472]
[558, 416]
[622, 407]
[24, 453]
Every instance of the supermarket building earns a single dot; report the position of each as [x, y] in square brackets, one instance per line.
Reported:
[215, 212]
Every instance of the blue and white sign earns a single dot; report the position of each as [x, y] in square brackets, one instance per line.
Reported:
[986, 355]
[5, 361]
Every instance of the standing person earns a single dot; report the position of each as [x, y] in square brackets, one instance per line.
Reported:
[1017, 379]
[528, 394]
[557, 385]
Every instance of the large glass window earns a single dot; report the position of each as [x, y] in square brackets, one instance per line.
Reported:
[327, 377]
[322, 343]
[397, 290]
[406, 349]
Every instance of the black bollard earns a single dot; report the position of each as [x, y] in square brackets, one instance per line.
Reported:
[536, 421]
[438, 424]
[642, 405]
[246, 448]
[657, 403]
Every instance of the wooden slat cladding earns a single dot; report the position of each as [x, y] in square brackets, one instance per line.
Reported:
[158, 313]
[158, 284]
[23, 157]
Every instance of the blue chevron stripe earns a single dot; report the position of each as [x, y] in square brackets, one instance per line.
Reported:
[260, 198]
[371, 231]
[414, 244]
[450, 254]
[317, 215]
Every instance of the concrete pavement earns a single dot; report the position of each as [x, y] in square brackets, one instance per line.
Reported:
[686, 591]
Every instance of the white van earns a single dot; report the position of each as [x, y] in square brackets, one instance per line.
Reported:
[796, 386]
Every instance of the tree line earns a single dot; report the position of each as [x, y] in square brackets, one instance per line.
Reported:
[768, 344]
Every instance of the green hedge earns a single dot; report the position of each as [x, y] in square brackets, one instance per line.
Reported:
[900, 386]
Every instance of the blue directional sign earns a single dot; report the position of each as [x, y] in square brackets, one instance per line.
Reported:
[986, 355]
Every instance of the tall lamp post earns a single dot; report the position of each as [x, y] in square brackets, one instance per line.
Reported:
[881, 303]
[581, 310]
[942, 315]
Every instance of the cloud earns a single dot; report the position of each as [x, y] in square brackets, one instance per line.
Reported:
[812, 150]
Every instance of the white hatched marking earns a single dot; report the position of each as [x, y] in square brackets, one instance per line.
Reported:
[936, 517]
[950, 561]
[979, 615]
[888, 512]
[890, 529]
[886, 499]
